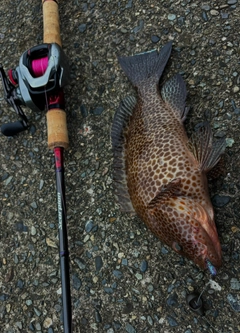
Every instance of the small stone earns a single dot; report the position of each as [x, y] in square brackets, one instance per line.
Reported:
[97, 111]
[33, 230]
[81, 263]
[41, 184]
[234, 301]
[172, 322]
[235, 284]
[214, 12]
[236, 89]
[164, 250]
[108, 290]
[29, 302]
[155, 39]
[51, 243]
[204, 16]
[98, 263]
[172, 300]
[38, 312]
[118, 274]
[89, 225]
[32, 129]
[144, 266]
[47, 322]
[150, 321]
[129, 4]
[98, 317]
[206, 7]
[19, 324]
[84, 111]
[124, 262]
[38, 327]
[82, 27]
[229, 142]
[139, 276]
[129, 328]
[172, 17]
[4, 176]
[224, 15]
[33, 205]
[232, 2]
[220, 200]
[76, 282]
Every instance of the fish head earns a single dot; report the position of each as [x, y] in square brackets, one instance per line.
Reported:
[187, 227]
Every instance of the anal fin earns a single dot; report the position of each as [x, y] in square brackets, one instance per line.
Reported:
[120, 123]
[206, 151]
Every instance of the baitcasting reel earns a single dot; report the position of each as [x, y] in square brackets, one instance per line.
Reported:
[42, 71]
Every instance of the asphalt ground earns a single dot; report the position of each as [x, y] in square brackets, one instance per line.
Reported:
[123, 279]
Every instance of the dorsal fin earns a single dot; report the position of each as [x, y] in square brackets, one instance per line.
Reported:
[120, 123]
[174, 92]
[204, 149]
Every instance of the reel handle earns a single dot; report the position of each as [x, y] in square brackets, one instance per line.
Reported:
[14, 128]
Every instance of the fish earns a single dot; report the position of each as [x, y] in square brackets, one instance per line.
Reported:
[159, 173]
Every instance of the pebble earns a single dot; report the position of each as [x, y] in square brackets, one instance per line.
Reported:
[82, 27]
[232, 2]
[173, 300]
[97, 111]
[144, 266]
[235, 284]
[129, 328]
[47, 322]
[229, 142]
[89, 225]
[234, 301]
[172, 322]
[118, 274]
[220, 200]
[155, 39]
[236, 89]
[98, 263]
[206, 7]
[84, 111]
[214, 12]
[33, 230]
[76, 282]
[172, 17]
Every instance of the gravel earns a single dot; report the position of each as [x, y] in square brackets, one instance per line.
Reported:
[122, 278]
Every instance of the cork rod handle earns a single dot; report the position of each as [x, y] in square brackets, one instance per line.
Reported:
[56, 118]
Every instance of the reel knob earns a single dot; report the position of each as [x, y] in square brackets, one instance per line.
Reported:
[14, 128]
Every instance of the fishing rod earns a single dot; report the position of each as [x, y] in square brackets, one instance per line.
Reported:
[38, 83]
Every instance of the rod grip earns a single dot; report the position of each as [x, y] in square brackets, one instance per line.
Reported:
[57, 129]
[51, 25]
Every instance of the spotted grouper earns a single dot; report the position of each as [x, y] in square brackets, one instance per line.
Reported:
[158, 172]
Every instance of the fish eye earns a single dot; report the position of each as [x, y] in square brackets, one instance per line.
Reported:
[177, 247]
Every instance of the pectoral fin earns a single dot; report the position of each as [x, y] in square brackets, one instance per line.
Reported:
[168, 191]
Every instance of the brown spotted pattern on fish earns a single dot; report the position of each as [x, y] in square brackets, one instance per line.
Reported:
[157, 171]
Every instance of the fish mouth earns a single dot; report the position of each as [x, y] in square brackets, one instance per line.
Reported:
[206, 237]
[209, 248]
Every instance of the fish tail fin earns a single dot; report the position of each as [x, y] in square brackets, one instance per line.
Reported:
[146, 66]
